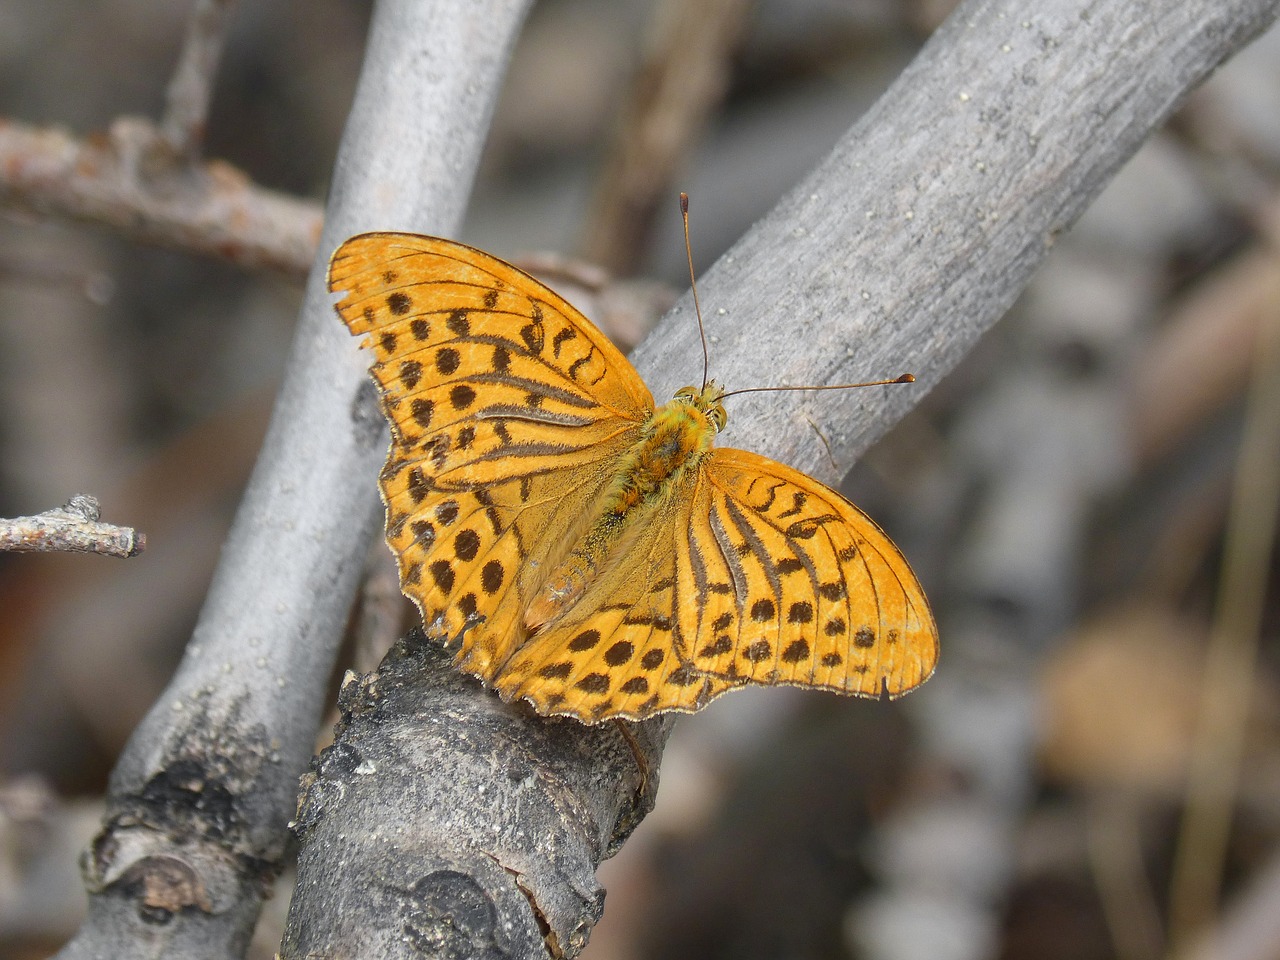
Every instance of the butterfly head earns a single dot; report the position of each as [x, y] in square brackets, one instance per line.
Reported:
[707, 400]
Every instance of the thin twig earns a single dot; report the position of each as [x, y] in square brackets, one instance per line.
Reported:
[1233, 647]
[114, 180]
[190, 90]
[1113, 844]
[682, 79]
[71, 528]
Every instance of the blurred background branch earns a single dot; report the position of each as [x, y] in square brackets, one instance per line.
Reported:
[116, 180]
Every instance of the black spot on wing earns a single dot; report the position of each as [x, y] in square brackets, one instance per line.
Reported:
[458, 323]
[652, 660]
[585, 640]
[796, 651]
[596, 683]
[560, 339]
[720, 645]
[619, 653]
[442, 573]
[410, 374]
[461, 397]
[447, 361]
[491, 577]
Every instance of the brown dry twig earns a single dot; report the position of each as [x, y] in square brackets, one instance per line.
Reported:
[71, 528]
[145, 180]
[131, 180]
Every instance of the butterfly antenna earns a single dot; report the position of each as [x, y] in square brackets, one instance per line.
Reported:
[904, 378]
[688, 252]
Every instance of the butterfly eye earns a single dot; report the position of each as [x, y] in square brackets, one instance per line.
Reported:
[716, 414]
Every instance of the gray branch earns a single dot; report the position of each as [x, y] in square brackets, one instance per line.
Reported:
[445, 823]
[926, 221]
[132, 181]
[195, 823]
[71, 528]
[191, 89]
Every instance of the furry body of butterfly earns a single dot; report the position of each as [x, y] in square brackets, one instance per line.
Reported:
[675, 440]
[585, 551]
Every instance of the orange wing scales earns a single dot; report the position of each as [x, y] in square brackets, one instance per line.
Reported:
[500, 399]
[510, 417]
[817, 594]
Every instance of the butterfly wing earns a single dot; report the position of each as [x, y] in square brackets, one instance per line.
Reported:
[508, 410]
[747, 571]
[801, 586]
[613, 653]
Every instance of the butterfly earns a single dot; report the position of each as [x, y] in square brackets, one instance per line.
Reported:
[585, 550]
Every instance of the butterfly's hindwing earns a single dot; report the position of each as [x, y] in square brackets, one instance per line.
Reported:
[619, 651]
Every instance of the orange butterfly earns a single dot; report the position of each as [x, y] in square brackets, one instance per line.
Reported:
[593, 555]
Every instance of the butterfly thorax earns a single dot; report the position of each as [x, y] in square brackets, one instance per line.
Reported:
[672, 442]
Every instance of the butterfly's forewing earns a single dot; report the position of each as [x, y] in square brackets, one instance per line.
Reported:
[508, 410]
[800, 586]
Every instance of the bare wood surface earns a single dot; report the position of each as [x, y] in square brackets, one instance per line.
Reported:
[74, 527]
[443, 822]
[194, 829]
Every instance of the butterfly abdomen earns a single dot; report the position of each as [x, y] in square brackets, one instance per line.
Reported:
[673, 441]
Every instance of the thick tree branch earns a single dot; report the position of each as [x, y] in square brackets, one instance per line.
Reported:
[195, 821]
[462, 826]
[928, 218]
